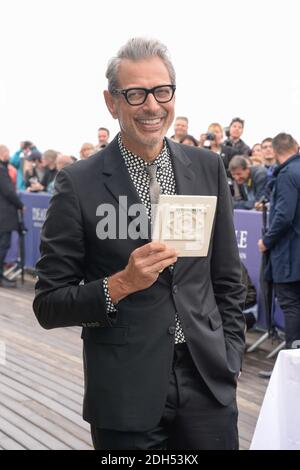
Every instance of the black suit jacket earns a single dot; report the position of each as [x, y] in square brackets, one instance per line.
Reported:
[128, 359]
[9, 202]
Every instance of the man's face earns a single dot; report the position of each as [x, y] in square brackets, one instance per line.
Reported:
[180, 128]
[240, 175]
[143, 127]
[4, 154]
[236, 130]
[102, 137]
[267, 151]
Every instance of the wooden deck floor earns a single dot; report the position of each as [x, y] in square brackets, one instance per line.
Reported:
[41, 384]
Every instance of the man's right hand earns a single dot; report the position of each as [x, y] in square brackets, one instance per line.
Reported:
[143, 268]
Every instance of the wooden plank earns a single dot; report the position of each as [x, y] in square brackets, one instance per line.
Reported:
[47, 371]
[20, 436]
[39, 397]
[52, 371]
[7, 443]
[56, 430]
[27, 377]
[62, 367]
[23, 383]
[53, 417]
[67, 342]
[32, 430]
[60, 354]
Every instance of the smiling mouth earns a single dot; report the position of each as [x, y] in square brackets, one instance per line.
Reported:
[150, 123]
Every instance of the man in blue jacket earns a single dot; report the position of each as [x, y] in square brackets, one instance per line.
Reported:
[283, 236]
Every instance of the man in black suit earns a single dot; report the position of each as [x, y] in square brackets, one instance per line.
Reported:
[163, 337]
[9, 205]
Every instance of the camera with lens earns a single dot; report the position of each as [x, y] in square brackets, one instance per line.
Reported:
[209, 138]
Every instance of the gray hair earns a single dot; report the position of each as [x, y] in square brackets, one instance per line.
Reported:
[138, 49]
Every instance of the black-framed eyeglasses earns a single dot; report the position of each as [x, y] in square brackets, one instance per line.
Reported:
[137, 96]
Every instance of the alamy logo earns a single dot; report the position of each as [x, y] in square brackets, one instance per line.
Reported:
[184, 222]
[114, 224]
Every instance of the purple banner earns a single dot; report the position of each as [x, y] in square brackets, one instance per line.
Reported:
[36, 206]
[248, 225]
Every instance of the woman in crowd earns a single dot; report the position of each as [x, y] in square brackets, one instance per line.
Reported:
[86, 150]
[256, 155]
[213, 140]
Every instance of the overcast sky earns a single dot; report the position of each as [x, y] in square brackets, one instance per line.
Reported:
[232, 58]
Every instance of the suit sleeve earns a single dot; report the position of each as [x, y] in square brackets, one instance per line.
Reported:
[60, 299]
[226, 275]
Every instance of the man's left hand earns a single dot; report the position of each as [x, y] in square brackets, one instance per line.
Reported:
[261, 246]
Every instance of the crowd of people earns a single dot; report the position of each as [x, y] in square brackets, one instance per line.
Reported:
[34, 171]
[249, 169]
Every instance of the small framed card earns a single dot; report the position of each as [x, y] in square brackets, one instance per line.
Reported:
[185, 223]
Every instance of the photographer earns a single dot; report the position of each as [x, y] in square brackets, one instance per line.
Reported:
[213, 141]
[9, 205]
[234, 140]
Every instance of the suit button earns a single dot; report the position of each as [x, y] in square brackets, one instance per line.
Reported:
[172, 330]
[175, 289]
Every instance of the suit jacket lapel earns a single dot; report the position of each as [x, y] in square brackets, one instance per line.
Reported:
[118, 182]
[184, 176]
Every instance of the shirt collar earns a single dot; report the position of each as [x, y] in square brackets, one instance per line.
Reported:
[136, 163]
